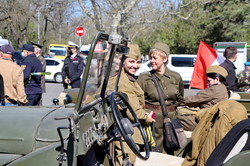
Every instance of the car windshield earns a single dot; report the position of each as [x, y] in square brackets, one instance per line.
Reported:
[99, 68]
[51, 62]
[58, 52]
[183, 61]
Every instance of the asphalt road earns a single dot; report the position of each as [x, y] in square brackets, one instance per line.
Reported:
[54, 89]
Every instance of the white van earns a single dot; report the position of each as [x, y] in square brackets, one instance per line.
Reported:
[180, 63]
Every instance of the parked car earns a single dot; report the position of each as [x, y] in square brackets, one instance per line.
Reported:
[54, 66]
[4, 41]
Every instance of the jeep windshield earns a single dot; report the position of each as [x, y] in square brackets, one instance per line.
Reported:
[99, 68]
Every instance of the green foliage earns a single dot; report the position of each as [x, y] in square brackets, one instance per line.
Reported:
[227, 20]
[216, 21]
[178, 35]
[31, 35]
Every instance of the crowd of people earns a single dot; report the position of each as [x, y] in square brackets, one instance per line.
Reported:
[24, 84]
[221, 81]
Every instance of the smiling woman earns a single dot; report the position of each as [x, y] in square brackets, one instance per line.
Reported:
[171, 84]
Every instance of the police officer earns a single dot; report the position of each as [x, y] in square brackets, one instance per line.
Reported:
[39, 55]
[12, 74]
[172, 85]
[32, 80]
[127, 84]
[72, 69]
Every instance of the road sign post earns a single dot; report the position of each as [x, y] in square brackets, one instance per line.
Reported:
[80, 31]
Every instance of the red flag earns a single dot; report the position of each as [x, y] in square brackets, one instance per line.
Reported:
[205, 57]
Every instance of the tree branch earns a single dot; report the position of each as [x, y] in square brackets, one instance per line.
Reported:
[85, 10]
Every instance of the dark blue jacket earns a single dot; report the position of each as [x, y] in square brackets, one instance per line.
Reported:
[73, 69]
[231, 79]
[32, 84]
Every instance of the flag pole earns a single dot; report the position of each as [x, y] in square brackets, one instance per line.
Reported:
[189, 89]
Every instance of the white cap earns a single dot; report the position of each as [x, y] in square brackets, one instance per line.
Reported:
[70, 43]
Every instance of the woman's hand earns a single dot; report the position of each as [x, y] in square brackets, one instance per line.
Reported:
[150, 117]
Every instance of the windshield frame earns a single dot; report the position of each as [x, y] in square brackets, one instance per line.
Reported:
[114, 41]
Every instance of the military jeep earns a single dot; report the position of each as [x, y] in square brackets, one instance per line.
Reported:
[77, 133]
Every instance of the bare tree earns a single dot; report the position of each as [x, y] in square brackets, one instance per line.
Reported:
[131, 18]
[113, 12]
[16, 18]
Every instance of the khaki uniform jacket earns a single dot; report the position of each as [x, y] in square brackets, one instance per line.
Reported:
[127, 84]
[171, 83]
[211, 130]
[43, 61]
[13, 81]
[207, 97]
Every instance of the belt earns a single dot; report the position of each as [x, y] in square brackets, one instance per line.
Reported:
[157, 108]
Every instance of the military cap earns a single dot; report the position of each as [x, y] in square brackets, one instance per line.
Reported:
[247, 63]
[217, 69]
[71, 44]
[27, 47]
[36, 45]
[7, 49]
[163, 47]
[134, 51]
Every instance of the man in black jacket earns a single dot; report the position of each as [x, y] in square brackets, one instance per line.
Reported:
[32, 80]
[72, 69]
[230, 54]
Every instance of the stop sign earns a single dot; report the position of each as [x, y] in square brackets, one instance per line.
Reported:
[80, 31]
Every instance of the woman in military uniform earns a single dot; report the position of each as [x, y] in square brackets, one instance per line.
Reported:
[171, 83]
[127, 84]
[216, 92]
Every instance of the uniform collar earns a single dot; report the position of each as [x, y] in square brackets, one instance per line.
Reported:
[73, 56]
[31, 55]
[6, 58]
[130, 77]
[166, 73]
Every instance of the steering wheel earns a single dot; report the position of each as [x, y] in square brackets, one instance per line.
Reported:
[125, 126]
